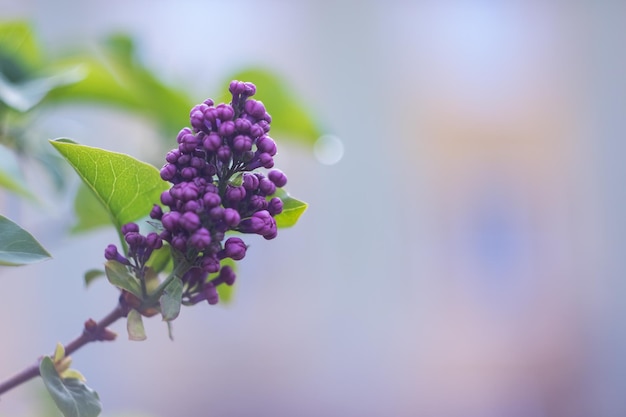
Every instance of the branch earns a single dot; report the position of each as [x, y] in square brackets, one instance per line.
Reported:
[93, 331]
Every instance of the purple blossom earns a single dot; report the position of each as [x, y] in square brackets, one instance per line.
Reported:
[215, 190]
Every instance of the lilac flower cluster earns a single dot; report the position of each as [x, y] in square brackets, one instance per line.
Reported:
[214, 190]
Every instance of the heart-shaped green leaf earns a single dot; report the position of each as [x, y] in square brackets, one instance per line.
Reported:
[292, 209]
[71, 395]
[17, 246]
[127, 187]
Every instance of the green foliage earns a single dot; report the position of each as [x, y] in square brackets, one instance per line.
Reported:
[89, 212]
[292, 209]
[134, 326]
[171, 299]
[10, 176]
[17, 246]
[92, 275]
[126, 187]
[118, 275]
[116, 77]
[71, 395]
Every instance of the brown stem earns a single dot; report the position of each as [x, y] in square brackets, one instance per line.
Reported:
[92, 332]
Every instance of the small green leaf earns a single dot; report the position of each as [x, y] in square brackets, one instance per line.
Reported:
[127, 187]
[92, 275]
[17, 246]
[171, 299]
[72, 397]
[118, 275]
[290, 119]
[90, 213]
[134, 326]
[292, 209]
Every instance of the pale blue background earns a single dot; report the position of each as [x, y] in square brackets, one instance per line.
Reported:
[464, 259]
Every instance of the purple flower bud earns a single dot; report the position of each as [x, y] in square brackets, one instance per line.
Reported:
[189, 221]
[210, 264]
[154, 241]
[234, 248]
[170, 221]
[231, 217]
[266, 160]
[250, 182]
[242, 125]
[227, 275]
[200, 239]
[267, 187]
[277, 177]
[111, 254]
[212, 142]
[168, 172]
[167, 198]
[172, 156]
[216, 213]
[227, 128]
[235, 194]
[256, 131]
[266, 144]
[275, 206]
[188, 143]
[156, 213]
[192, 206]
[210, 293]
[211, 200]
[223, 153]
[198, 163]
[236, 87]
[196, 118]
[255, 108]
[242, 143]
[249, 89]
[187, 191]
[264, 125]
[257, 202]
[225, 112]
[188, 173]
[179, 242]
[134, 239]
[130, 227]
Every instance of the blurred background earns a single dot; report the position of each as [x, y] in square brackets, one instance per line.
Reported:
[462, 252]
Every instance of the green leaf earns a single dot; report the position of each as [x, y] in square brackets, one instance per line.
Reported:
[90, 212]
[290, 119]
[10, 175]
[127, 187]
[17, 246]
[171, 299]
[134, 326]
[26, 95]
[18, 50]
[292, 209]
[117, 77]
[92, 275]
[118, 275]
[72, 397]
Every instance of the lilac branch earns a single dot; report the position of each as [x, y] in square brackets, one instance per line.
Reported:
[92, 332]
